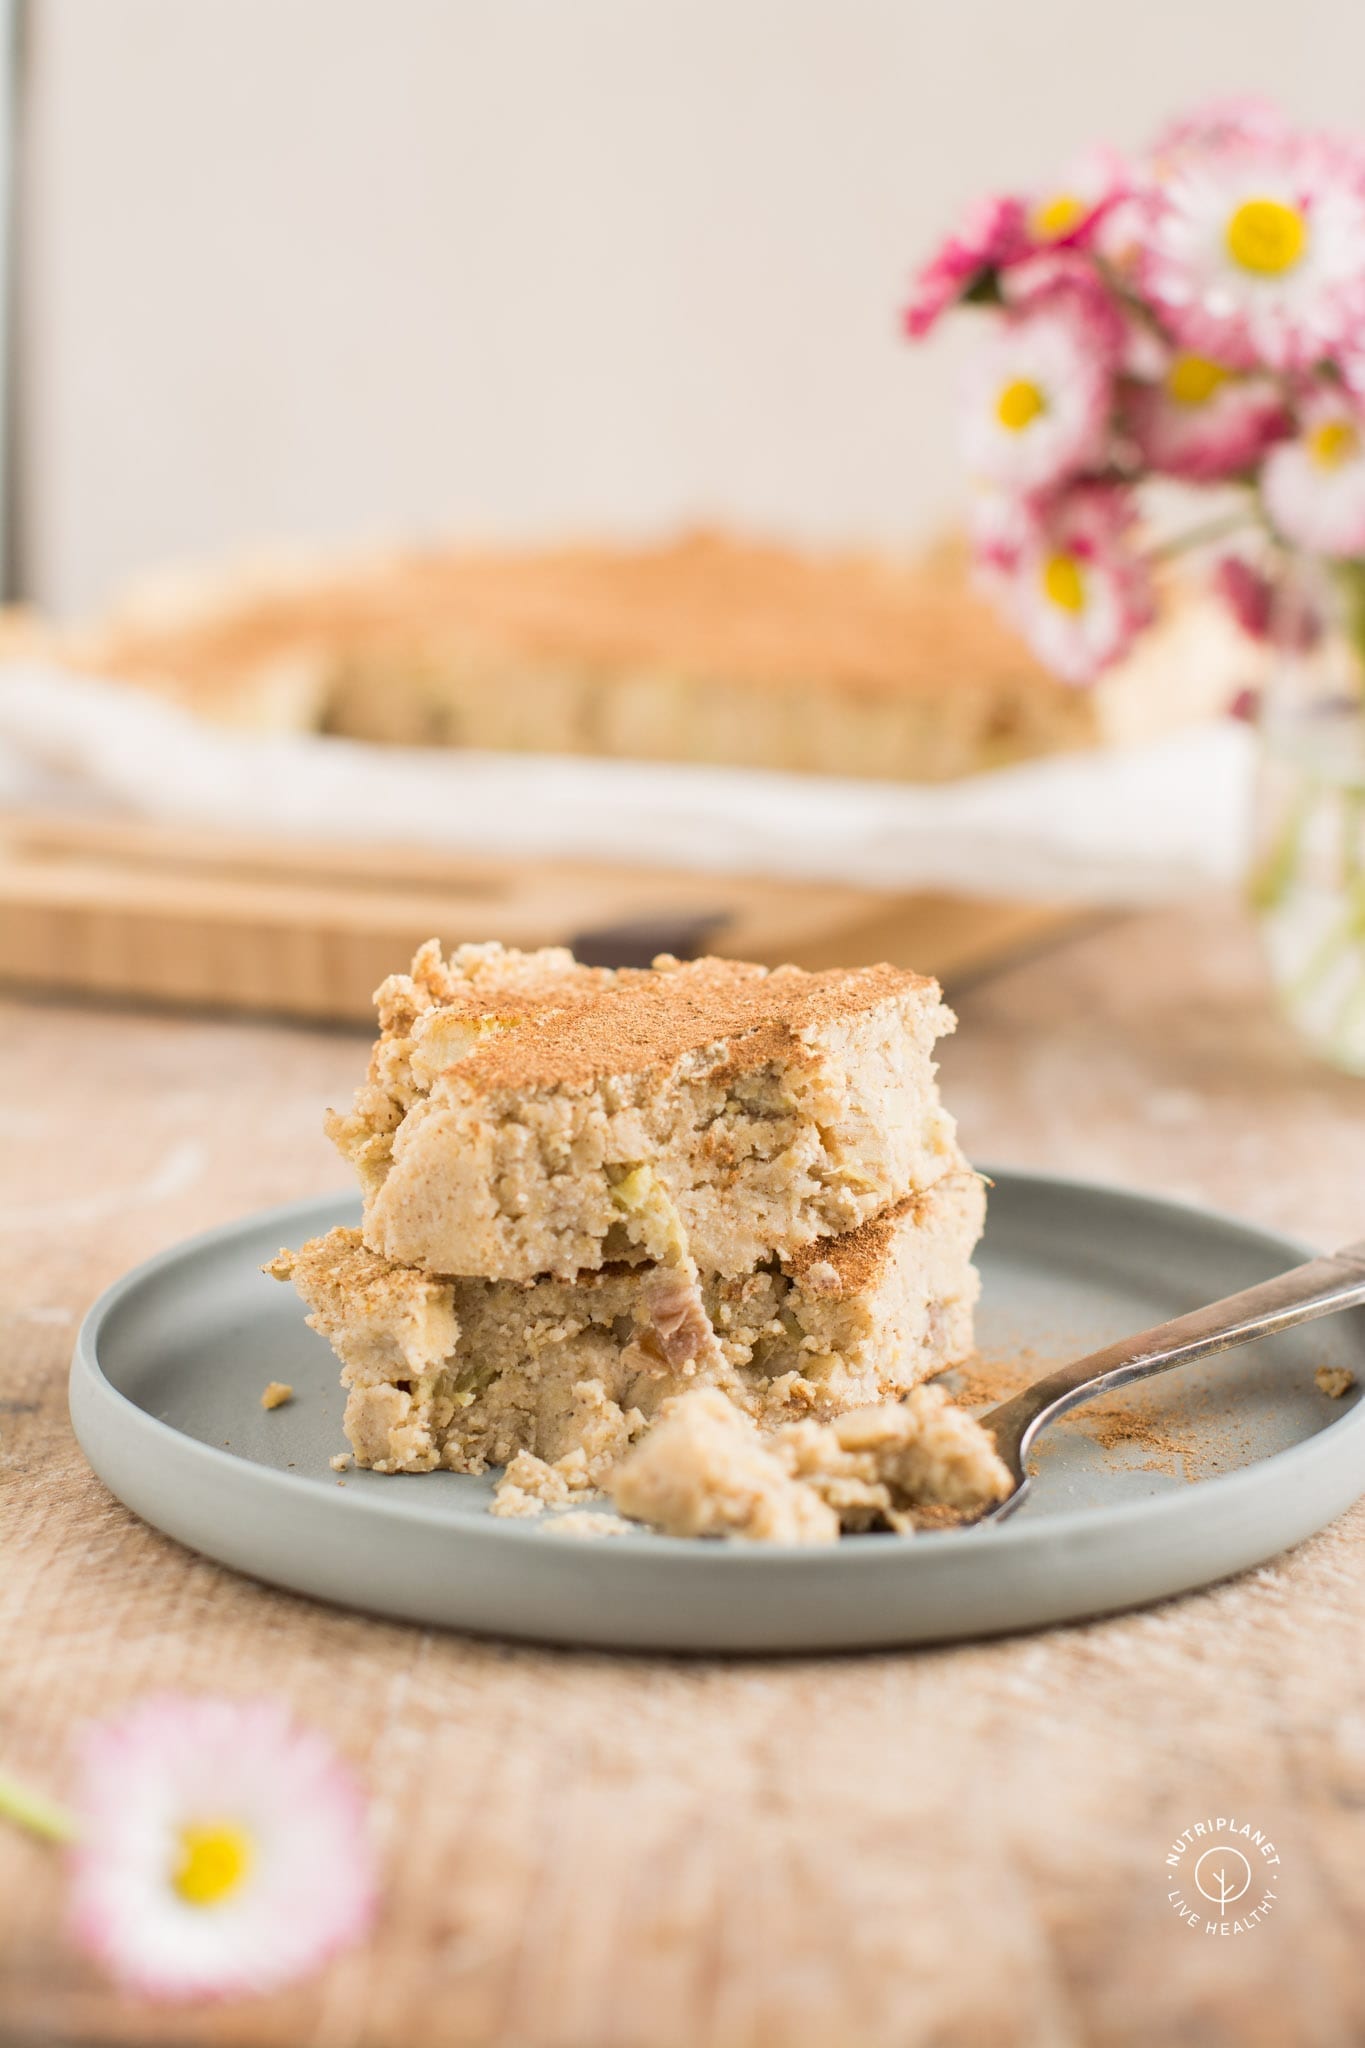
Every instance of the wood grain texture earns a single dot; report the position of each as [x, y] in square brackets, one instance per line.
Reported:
[958, 1847]
[308, 929]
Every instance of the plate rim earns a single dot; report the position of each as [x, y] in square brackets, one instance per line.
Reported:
[1037, 1532]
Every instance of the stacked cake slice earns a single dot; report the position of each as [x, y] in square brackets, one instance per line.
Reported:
[589, 1192]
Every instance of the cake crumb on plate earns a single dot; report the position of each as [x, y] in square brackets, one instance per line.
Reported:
[706, 1470]
[530, 1485]
[582, 1523]
[276, 1394]
[1335, 1380]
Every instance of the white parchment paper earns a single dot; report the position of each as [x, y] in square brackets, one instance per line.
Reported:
[1123, 826]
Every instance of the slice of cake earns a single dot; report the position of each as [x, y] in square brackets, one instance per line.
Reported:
[524, 1115]
[706, 1194]
[465, 1373]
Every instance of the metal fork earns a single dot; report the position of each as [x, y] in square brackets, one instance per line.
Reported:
[1318, 1289]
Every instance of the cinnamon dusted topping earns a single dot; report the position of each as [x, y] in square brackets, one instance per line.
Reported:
[852, 1261]
[702, 604]
[476, 982]
[650, 1018]
[517, 1020]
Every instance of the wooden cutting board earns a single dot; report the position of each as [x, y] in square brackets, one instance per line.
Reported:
[308, 929]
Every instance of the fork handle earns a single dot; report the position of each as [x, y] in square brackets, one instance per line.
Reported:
[1317, 1289]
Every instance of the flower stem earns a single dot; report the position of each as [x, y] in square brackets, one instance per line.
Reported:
[1350, 1017]
[1221, 528]
[1268, 882]
[1350, 581]
[31, 1810]
[1346, 933]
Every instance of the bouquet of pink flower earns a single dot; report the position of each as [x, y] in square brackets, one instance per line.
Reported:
[1197, 313]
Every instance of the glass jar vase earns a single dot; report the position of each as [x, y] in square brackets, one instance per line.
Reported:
[1308, 871]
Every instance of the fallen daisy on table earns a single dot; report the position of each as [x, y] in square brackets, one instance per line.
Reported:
[216, 1848]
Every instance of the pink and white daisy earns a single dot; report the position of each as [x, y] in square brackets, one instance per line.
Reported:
[1079, 592]
[1068, 215]
[1202, 421]
[1004, 230]
[1256, 255]
[1314, 485]
[221, 1849]
[991, 234]
[1036, 398]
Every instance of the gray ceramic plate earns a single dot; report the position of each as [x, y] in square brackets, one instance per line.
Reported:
[1213, 1468]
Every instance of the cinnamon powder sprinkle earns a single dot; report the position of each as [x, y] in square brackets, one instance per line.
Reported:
[856, 1256]
[649, 1018]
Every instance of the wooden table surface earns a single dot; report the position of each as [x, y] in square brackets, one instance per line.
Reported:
[585, 1851]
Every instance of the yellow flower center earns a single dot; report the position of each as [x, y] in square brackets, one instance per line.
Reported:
[214, 1860]
[1055, 217]
[1192, 380]
[1333, 443]
[1019, 404]
[1267, 237]
[1063, 582]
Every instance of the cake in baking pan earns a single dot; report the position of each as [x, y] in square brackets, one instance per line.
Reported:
[704, 648]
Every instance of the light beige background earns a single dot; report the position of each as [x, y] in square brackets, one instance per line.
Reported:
[334, 269]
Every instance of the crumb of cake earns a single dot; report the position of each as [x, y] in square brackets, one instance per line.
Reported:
[705, 1470]
[530, 1484]
[513, 1503]
[342, 1462]
[898, 1464]
[1334, 1380]
[276, 1394]
[583, 1523]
